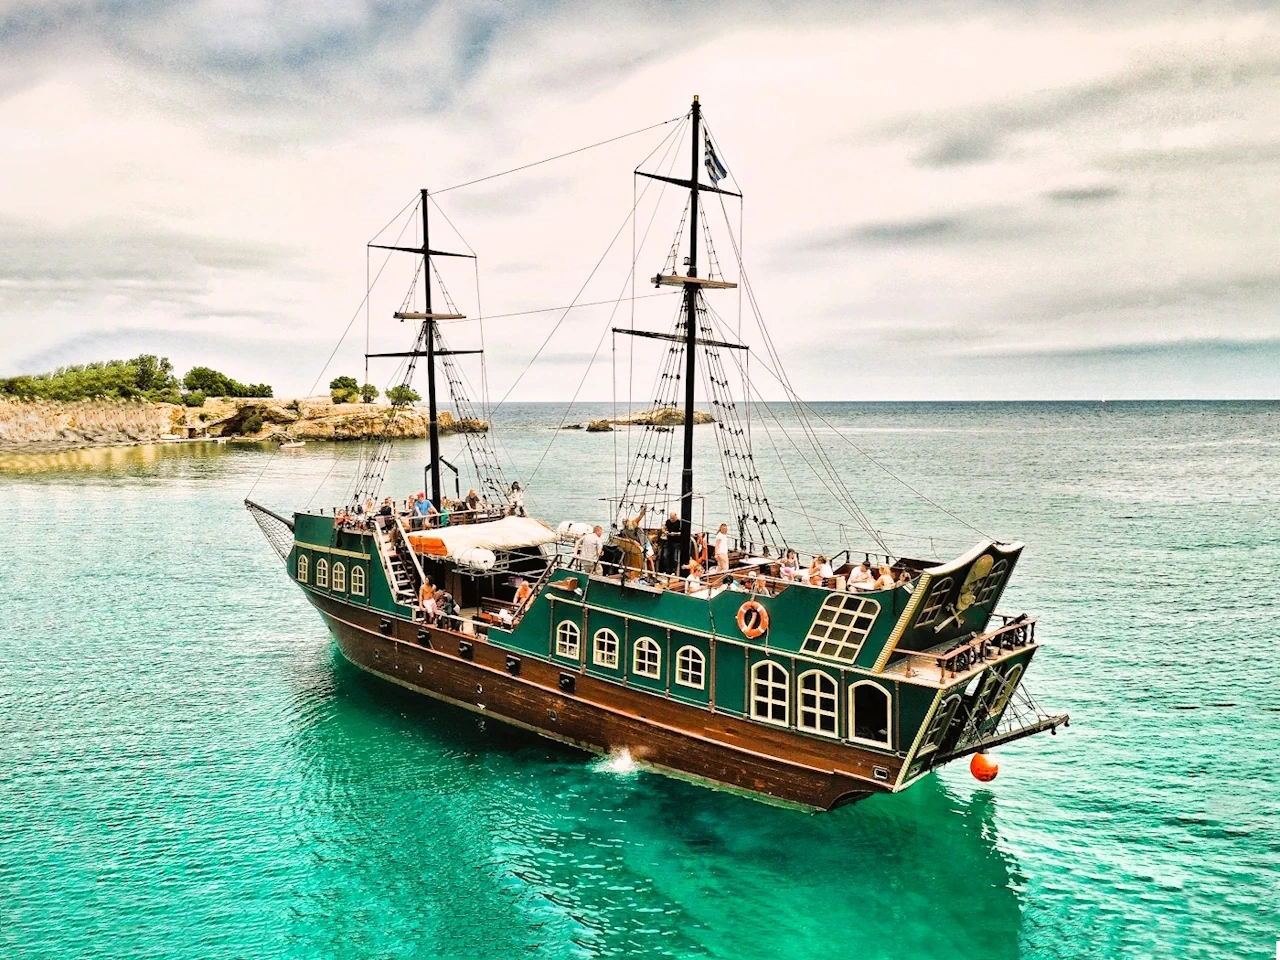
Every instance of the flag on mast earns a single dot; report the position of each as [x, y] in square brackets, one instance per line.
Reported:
[715, 169]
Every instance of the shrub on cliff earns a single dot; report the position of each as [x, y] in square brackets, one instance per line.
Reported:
[344, 389]
[402, 396]
[194, 399]
[211, 383]
[145, 377]
[368, 393]
[251, 424]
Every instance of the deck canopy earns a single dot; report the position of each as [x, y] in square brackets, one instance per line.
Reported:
[508, 533]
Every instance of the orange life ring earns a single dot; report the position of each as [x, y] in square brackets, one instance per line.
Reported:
[753, 619]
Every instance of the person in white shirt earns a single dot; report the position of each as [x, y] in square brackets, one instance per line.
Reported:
[590, 546]
[885, 580]
[693, 582]
[862, 578]
[722, 549]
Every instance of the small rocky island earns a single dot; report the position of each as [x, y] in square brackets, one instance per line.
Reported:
[662, 419]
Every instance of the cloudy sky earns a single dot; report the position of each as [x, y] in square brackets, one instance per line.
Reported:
[960, 200]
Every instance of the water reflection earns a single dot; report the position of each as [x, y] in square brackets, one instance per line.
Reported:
[36, 458]
[520, 844]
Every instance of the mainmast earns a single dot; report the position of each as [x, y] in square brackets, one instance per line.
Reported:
[690, 346]
[692, 285]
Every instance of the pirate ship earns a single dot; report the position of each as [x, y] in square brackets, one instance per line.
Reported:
[766, 669]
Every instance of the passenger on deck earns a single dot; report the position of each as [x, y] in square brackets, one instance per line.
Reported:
[446, 606]
[427, 601]
[587, 552]
[523, 592]
[444, 513]
[819, 570]
[693, 582]
[790, 569]
[671, 544]
[722, 548]
[422, 508]
[388, 508]
[862, 578]
[759, 586]
[885, 580]
[473, 501]
[515, 501]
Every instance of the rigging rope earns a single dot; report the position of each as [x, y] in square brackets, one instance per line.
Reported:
[560, 156]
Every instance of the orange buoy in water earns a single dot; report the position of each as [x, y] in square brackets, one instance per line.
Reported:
[983, 768]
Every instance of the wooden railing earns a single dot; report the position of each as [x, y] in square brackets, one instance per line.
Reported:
[1015, 634]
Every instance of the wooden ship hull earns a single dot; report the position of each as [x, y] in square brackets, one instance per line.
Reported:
[600, 717]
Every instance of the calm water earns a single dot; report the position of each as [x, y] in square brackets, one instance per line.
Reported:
[187, 769]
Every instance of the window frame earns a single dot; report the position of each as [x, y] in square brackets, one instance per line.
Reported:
[563, 629]
[602, 660]
[929, 611]
[886, 743]
[697, 656]
[991, 582]
[302, 568]
[860, 607]
[338, 576]
[651, 645]
[358, 584]
[322, 573]
[817, 710]
[786, 693]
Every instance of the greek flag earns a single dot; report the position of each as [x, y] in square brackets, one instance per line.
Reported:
[715, 169]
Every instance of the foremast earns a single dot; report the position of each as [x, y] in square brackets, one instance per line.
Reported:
[424, 346]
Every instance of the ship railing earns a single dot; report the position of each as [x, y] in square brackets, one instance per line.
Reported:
[1016, 633]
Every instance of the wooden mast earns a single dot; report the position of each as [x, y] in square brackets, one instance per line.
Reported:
[429, 323]
[690, 348]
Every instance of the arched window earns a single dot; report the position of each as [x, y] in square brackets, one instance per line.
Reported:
[646, 658]
[870, 716]
[604, 649]
[322, 573]
[769, 699]
[941, 723]
[991, 583]
[339, 577]
[934, 604]
[357, 581]
[691, 668]
[567, 634]
[1010, 684]
[819, 704]
[303, 563]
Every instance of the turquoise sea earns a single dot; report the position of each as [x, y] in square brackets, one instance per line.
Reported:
[189, 770]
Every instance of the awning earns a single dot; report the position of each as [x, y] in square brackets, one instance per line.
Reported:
[509, 533]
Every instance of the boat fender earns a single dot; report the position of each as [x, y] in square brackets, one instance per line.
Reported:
[753, 619]
[983, 768]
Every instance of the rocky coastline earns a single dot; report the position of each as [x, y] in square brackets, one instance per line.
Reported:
[102, 422]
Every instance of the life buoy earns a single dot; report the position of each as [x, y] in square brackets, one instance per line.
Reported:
[753, 619]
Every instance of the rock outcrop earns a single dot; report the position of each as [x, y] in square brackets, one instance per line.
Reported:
[128, 421]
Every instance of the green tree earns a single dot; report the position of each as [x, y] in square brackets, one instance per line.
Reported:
[344, 389]
[402, 396]
[368, 393]
[208, 381]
